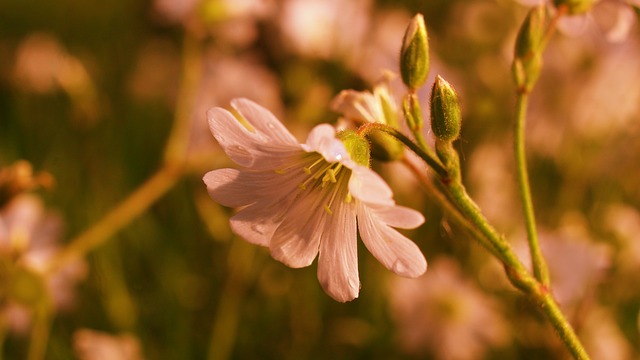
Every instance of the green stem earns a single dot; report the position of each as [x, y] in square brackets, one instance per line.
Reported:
[540, 269]
[515, 270]
[519, 276]
[119, 217]
[436, 195]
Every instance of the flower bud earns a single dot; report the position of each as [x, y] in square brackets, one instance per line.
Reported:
[531, 32]
[414, 55]
[357, 146]
[575, 7]
[445, 111]
[527, 61]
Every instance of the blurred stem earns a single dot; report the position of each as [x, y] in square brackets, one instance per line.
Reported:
[119, 217]
[40, 332]
[162, 181]
[540, 269]
[176, 148]
[225, 324]
[3, 333]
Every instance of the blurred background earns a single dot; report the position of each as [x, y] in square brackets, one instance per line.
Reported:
[91, 93]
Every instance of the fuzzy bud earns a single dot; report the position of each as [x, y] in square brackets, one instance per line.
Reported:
[445, 111]
[414, 55]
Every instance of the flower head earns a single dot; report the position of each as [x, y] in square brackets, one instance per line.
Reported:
[308, 200]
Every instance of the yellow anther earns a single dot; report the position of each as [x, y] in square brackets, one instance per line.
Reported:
[280, 171]
[328, 209]
[348, 198]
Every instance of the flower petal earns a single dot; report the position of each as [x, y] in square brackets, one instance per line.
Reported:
[224, 188]
[398, 216]
[322, 139]
[338, 259]
[236, 141]
[235, 188]
[258, 222]
[392, 249]
[367, 186]
[263, 121]
[295, 242]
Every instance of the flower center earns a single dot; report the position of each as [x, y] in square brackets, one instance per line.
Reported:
[328, 181]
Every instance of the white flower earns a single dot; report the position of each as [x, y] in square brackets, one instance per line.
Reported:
[305, 199]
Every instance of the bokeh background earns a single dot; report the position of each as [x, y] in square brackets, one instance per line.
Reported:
[90, 93]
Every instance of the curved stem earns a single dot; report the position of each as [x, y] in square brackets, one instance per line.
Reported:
[520, 277]
[515, 270]
[436, 195]
[540, 269]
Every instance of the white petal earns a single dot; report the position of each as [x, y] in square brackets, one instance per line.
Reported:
[235, 188]
[236, 141]
[369, 187]
[338, 259]
[392, 249]
[322, 139]
[224, 188]
[257, 223]
[295, 242]
[263, 121]
[399, 216]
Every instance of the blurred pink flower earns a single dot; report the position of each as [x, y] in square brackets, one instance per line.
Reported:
[305, 199]
[576, 263]
[43, 66]
[97, 345]
[324, 28]
[224, 78]
[28, 236]
[602, 336]
[445, 315]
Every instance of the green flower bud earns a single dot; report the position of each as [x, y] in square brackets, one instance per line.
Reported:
[575, 7]
[527, 61]
[445, 111]
[531, 33]
[414, 55]
[357, 146]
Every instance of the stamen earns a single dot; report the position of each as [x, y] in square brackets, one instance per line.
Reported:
[328, 209]
[348, 198]
[307, 169]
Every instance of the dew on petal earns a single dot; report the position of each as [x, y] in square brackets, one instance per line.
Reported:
[399, 267]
